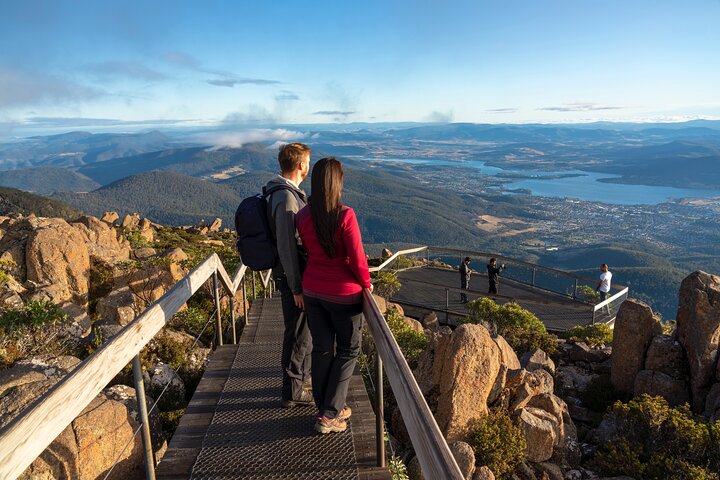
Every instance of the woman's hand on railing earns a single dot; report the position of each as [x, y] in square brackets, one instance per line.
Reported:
[299, 301]
[372, 287]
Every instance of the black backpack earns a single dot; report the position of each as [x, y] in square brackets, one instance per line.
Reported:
[256, 242]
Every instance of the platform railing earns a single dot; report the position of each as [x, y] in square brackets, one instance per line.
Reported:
[31, 432]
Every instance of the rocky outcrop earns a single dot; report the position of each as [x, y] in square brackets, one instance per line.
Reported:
[110, 217]
[161, 377]
[635, 327]
[215, 225]
[88, 447]
[541, 430]
[57, 256]
[469, 366]
[119, 306]
[101, 240]
[131, 222]
[465, 458]
[698, 329]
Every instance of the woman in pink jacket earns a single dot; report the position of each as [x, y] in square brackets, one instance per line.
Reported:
[336, 273]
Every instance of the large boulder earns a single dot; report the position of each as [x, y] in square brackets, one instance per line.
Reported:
[469, 367]
[215, 225]
[712, 403]
[119, 306]
[110, 217]
[698, 329]
[507, 354]
[56, 254]
[465, 458]
[635, 327]
[131, 222]
[574, 379]
[161, 377]
[428, 371]
[656, 383]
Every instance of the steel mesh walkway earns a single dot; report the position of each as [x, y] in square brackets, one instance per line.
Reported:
[252, 436]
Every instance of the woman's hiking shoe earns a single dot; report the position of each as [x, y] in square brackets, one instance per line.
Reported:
[306, 398]
[330, 425]
[344, 413]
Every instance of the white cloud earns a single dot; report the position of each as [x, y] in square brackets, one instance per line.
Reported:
[440, 117]
[20, 88]
[234, 139]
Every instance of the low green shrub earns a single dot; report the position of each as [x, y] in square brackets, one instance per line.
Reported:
[412, 343]
[385, 284]
[30, 329]
[590, 334]
[498, 443]
[523, 330]
[397, 468]
[586, 293]
[657, 442]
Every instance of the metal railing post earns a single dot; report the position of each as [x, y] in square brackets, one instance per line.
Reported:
[447, 306]
[245, 302]
[575, 290]
[218, 313]
[143, 414]
[379, 412]
[232, 319]
[253, 285]
[593, 319]
[533, 276]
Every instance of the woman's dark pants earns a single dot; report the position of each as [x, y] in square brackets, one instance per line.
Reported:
[336, 335]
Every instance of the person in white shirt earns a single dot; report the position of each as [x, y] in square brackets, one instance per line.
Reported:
[603, 285]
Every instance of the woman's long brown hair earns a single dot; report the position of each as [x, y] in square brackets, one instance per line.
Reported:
[326, 185]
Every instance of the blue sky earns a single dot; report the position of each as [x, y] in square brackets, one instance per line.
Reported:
[67, 64]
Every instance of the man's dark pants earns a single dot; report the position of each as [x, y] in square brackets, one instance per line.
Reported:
[297, 344]
[337, 335]
[493, 288]
[464, 285]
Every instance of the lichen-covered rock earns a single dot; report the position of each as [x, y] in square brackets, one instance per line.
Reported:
[465, 458]
[483, 473]
[469, 367]
[131, 222]
[698, 329]
[582, 352]
[78, 324]
[128, 397]
[101, 240]
[158, 377]
[531, 361]
[216, 225]
[110, 217]
[531, 384]
[666, 355]
[429, 367]
[414, 324]
[430, 321]
[541, 430]
[119, 306]
[651, 382]
[144, 252]
[635, 327]
[56, 254]
[574, 379]
[508, 355]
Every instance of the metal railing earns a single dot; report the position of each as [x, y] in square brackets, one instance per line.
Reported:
[31, 432]
[535, 277]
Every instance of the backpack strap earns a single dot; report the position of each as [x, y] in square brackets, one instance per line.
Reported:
[266, 192]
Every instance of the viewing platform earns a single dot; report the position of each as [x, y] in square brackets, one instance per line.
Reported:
[430, 281]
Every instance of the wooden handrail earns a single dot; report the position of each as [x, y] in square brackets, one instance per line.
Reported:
[436, 460]
[29, 434]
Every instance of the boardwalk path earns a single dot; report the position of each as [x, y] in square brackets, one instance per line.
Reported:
[239, 430]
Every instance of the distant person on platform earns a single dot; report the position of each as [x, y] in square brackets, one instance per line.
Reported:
[494, 275]
[603, 285]
[465, 272]
[294, 160]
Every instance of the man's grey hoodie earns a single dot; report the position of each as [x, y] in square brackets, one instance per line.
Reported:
[283, 206]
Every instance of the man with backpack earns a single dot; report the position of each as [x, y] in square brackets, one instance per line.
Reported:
[284, 202]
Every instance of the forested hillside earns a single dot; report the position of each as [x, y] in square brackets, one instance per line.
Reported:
[17, 201]
[47, 180]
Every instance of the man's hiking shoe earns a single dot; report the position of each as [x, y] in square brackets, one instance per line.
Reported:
[306, 398]
[344, 413]
[330, 425]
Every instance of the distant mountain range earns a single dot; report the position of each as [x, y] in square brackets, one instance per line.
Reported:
[79, 148]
